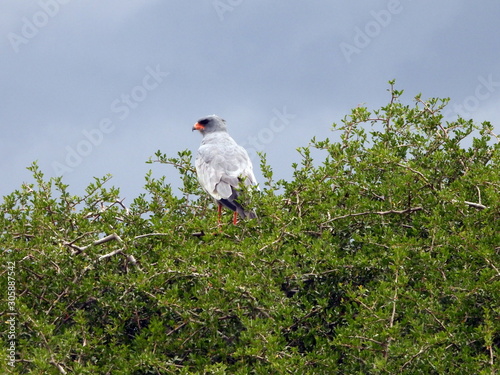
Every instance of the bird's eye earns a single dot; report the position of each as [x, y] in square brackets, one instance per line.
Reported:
[203, 122]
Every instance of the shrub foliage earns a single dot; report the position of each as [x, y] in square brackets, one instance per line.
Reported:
[380, 256]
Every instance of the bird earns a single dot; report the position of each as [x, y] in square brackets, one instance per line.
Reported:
[222, 165]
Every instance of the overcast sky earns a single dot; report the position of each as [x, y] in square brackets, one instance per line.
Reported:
[95, 87]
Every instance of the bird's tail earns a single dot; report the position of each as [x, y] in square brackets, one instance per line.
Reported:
[234, 205]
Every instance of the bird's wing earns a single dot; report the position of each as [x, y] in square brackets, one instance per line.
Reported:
[221, 164]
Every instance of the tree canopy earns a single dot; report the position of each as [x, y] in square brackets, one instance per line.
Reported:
[380, 256]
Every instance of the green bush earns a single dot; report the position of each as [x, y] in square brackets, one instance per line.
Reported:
[384, 257]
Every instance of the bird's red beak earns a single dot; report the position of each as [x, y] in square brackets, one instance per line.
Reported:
[198, 126]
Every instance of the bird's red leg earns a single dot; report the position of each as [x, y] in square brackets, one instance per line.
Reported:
[235, 218]
[219, 212]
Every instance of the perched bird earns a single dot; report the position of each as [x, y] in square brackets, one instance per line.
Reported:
[221, 165]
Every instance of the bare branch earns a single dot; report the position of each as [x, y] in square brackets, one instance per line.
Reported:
[111, 237]
[490, 132]
[493, 266]
[476, 205]
[120, 202]
[151, 235]
[132, 260]
[78, 238]
[479, 194]
[81, 249]
[109, 255]
[479, 206]
[395, 298]
[492, 355]
[393, 314]
[59, 367]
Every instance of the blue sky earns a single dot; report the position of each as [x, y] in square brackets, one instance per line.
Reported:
[96, 87]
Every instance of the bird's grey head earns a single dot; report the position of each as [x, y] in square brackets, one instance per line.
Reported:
[210, 124]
